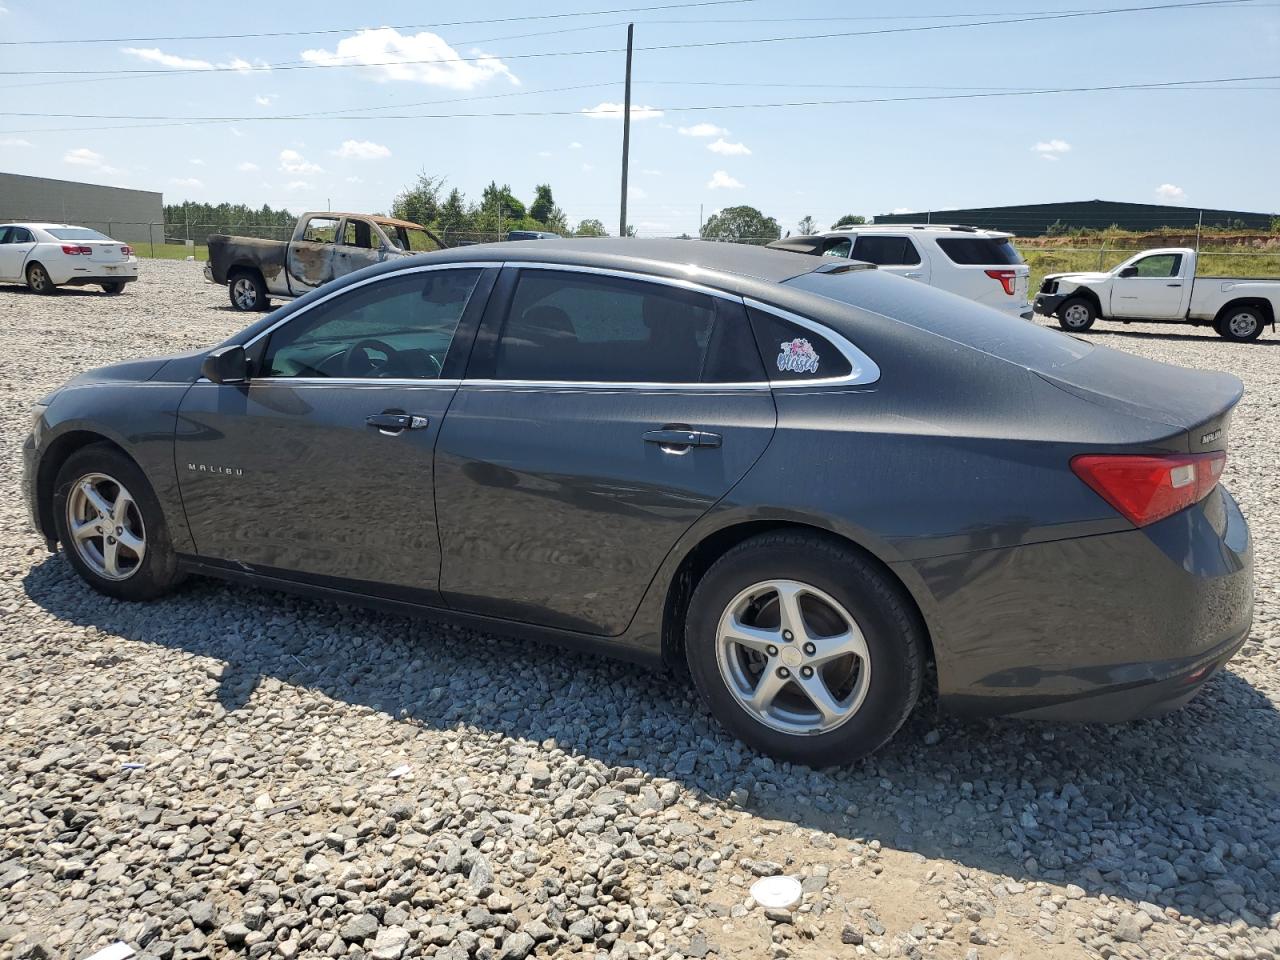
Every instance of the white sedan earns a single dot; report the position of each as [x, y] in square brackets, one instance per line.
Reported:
[46, 256]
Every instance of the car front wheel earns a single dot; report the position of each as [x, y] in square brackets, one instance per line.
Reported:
[111, 526]
[1077, 315]
[803, 649]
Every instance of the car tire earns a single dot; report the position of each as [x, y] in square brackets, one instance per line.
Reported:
[39, 281]
[113, 288]
[247, 291]
[135, 559]
[837, 591]
[1240, 324]
[1077, 314]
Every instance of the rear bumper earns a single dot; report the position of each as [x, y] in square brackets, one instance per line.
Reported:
[66, 273]
[1046, 304]
[1104, 628]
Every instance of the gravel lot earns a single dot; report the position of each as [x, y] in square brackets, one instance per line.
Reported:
[317, 780]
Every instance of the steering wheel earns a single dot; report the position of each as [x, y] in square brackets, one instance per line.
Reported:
[367, 365]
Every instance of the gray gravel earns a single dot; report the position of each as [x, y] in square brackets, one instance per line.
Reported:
[233, 772]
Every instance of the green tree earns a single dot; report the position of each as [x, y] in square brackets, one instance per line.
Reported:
[453, 217]
[742, 224]
[543, 203]
[420, 202]
[497, 199]
[806, 227]
[849, 220]
[590, 228]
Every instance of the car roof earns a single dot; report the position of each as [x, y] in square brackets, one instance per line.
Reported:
[44, 226]
[376, 218]
[675, 258]
[916, 228]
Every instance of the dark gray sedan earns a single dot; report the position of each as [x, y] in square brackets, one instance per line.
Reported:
[813, 485]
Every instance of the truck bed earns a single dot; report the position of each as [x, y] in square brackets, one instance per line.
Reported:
[268, 256]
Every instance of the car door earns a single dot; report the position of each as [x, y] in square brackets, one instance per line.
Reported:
[602, 415]
[320, 466]
[1154, 290]
[892, 254]
[359, 245]
[310, 256]
[15, 244]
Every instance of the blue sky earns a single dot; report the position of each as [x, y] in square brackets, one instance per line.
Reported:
[1213, 147]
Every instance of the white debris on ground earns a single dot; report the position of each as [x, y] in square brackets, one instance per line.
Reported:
[233, 772]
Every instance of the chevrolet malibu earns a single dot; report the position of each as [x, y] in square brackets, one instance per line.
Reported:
[809, 483]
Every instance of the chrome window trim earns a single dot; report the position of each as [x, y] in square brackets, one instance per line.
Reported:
[423, 268]
[691, 285]
[862, 369]
[607, 385]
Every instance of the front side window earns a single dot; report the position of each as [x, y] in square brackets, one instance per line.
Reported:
[320, 229]
[586, 328]
[417, 241]
[1160, 265]
[400, 328]
[886, 251]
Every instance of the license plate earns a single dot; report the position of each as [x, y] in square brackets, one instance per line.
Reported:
[111, 269]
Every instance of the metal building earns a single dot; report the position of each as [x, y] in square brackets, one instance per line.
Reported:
[1037, 219]
[134, 216]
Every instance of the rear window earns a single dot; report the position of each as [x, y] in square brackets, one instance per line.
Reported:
[979, 251]
[77, 233]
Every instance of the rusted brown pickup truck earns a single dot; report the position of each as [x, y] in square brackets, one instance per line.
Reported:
[324, 246]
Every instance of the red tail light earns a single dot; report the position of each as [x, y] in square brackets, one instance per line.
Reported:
[76, 250]
[1006, 278]
[1147, 489]
[127, 251]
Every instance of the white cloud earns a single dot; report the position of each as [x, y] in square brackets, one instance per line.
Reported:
[246, 167]
[354, 180]
[725, 148]
[291, 161]
[14, 142]
[84, 157]
[575, 145]
[587, 168]
[1167, 191]
[420, 58]
[605, 110]
[544, 154]
[722, 181]
[158, 56]
[236, 131]
[189, 182]
[901, 210]
[362, 150]
[652, 173]
[196, 162]
[294, 185]
[636, 193]
[1051, 149]
[264, 99]
[704, 130]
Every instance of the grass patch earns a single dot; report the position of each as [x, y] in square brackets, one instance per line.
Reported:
[170, 251]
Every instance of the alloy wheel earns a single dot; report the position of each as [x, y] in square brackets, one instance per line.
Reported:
[793, 657]
[38, 278]
[245, 293]
[106, 526]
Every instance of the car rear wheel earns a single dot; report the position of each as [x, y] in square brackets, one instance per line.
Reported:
[113, 288]
[111, 526]
[1077, 315]
[247, 291]
[802, 649]
[39, 281]
[1241, 324]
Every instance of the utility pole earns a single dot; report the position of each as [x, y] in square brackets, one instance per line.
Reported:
[1199, 224]
[626, 133]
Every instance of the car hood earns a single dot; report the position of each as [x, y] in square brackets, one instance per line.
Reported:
[1076, 277]
[180, 367]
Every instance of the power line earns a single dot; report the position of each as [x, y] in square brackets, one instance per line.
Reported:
[291, 65]
[178, 121]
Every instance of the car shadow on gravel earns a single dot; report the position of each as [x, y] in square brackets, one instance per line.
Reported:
[1179, 811]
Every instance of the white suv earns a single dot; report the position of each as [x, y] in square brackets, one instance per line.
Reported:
[982, 265]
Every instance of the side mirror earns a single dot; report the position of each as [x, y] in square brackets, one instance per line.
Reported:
[226, 365]
[1129, 272]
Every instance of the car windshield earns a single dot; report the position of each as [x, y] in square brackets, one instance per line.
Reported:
[77, 233]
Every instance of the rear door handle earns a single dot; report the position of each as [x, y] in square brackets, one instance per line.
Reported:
[676, 437]
[393, 423]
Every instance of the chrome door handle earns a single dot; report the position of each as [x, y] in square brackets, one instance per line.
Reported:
[913, 275]
[393, 423]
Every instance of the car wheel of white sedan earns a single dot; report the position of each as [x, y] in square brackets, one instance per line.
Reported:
[39, 281]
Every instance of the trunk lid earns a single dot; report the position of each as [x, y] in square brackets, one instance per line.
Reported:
[105, 251]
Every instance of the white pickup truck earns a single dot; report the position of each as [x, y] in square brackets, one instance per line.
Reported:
[1161, 285]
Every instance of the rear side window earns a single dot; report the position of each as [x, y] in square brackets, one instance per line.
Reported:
[979, 251]
[586, 328]
[886, 251]
[792, 352]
